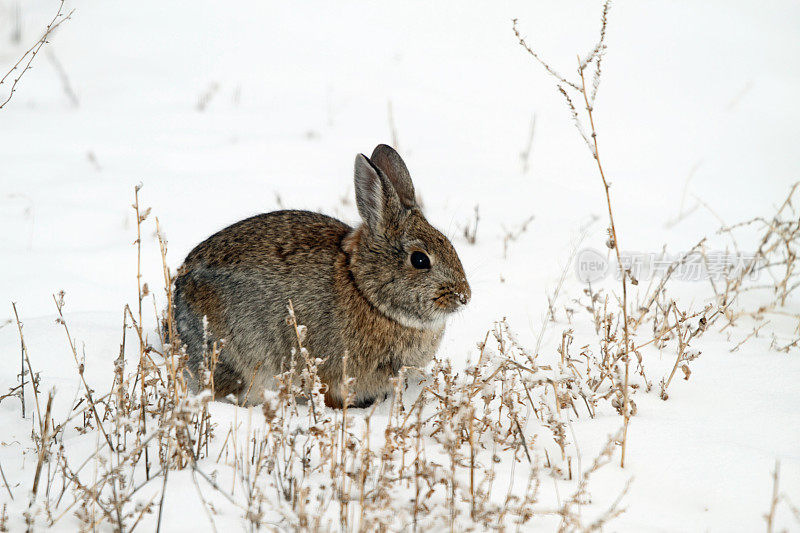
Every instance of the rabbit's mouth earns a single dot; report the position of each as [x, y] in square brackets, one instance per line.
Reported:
[450, 300]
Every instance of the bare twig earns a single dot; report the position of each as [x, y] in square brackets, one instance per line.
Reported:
[30, 54]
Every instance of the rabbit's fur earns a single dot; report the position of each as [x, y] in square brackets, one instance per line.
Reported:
[355, 290]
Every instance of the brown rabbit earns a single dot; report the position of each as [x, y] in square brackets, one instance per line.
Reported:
[379, 292]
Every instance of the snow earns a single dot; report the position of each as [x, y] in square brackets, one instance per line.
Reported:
[697, 103]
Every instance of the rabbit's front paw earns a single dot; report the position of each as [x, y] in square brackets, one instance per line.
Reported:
[363, 404]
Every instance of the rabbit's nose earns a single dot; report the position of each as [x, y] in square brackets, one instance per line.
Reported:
[463, 292]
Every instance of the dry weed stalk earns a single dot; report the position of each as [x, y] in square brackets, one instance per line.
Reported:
[65, 84]
[525, 155]
[122, 468]
[595, 58]
[775, 256]
[470, 230]
[27, 58]
[775, 499]
[511, 235]
[25, 361]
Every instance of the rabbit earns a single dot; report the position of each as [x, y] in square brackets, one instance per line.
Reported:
[380, 292]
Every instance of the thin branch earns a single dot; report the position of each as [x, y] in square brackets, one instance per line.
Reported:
[30, 54]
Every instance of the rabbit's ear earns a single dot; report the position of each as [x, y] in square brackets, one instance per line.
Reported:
[391, 164]
[371, 198]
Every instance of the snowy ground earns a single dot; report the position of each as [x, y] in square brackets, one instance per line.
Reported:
[697, 104]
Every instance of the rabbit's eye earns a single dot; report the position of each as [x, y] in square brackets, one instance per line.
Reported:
[420, 260]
